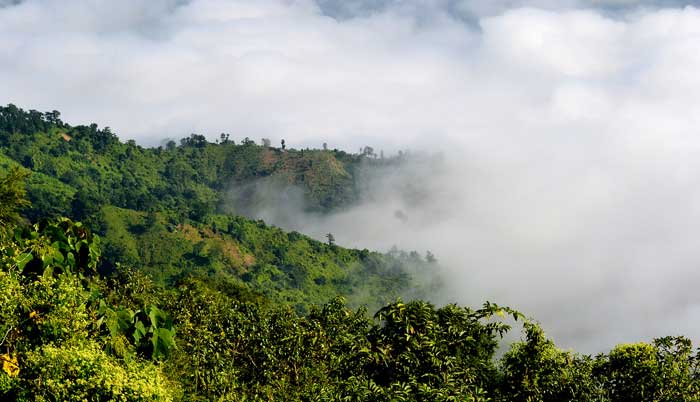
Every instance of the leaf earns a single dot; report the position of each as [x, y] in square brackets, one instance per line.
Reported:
[24, 259]
[71, 259]
[139, 331]
[163, 342]
[167, 337]
[155, 314]
[112, 324]
[57, 256]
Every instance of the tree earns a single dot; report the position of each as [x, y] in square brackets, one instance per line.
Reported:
[419, 353]
[151, 219]
[53, 117]
[664, 371]
[85, 205]
[58, 327]
[631, 372]
[536, 370]
[284, 146]
[12, 196]
[194, 140]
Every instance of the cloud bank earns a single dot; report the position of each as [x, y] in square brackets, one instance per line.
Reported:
[570, 180]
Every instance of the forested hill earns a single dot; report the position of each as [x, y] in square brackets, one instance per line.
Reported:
[168, 210]
[190, 179]
[177, 302]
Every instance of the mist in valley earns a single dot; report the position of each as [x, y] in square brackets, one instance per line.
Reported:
[555, 158]
[599, 248]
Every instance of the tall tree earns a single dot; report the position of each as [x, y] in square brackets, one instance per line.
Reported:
[12, 196]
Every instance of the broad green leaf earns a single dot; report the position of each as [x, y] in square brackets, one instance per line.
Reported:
[24, 260]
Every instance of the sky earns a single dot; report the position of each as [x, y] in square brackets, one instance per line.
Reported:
[568, 178]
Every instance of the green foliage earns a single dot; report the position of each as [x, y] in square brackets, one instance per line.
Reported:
[68, 335]
[12, 196]
[434, 354]
[86, 373]
[159, 209]
[536, 370]
[150, 330]
[261, 351]
[201, 306]
[663, 371]
[43, 271]
[632, 371]
[287, 267]
[190, 180]
[680, 369]
[50, 319]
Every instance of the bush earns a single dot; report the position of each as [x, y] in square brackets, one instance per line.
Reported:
[87, 373]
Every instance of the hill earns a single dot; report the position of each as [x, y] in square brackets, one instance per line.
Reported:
[168, 210]
[190, 179]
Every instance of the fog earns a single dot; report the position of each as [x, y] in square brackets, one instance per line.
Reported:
[560, 170]
[600, 252]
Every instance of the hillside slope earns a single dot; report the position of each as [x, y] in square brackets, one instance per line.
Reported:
[191, 179]
[169, 210]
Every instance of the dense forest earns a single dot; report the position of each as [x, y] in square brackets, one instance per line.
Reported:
[126, 275]
[170, 211]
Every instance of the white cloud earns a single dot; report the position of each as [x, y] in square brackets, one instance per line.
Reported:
[569, 134]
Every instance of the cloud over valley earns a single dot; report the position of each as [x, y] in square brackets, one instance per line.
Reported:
[568, 181]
